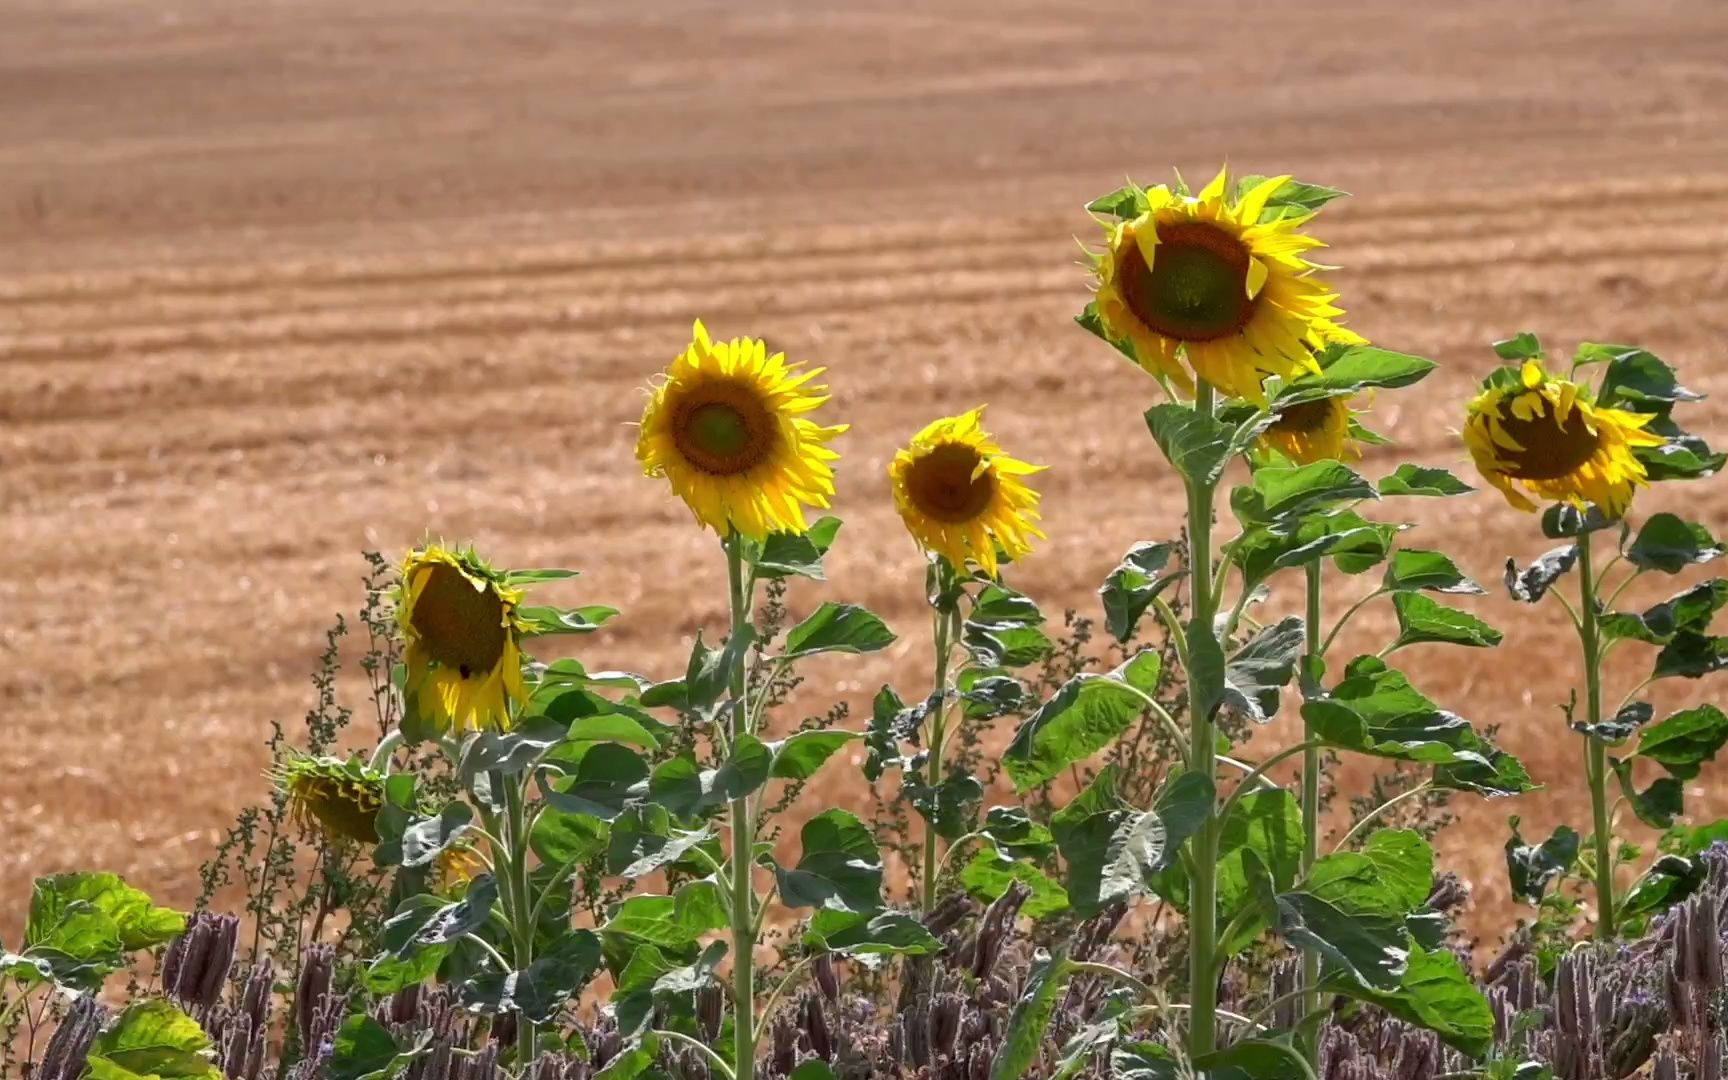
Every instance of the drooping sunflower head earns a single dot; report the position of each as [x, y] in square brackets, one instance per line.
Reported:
[1215, 286]
[338, 798]
[961, 496]
[462, 635]
[1315, 430]
[728, 428]
[1533, 435]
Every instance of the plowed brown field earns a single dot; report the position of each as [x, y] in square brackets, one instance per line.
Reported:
[279, 282]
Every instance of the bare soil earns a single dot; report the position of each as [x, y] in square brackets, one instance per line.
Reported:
[283, 281]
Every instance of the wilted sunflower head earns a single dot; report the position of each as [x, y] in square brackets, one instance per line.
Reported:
[462, 635]
[1214, 286]
[1531, 434]
[338, 798]
[728, 428]
[1310, 431]
[961, 496]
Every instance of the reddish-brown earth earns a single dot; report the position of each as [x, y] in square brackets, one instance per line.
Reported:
[279, 282]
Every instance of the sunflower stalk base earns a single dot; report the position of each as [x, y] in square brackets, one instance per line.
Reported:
[742, 823]
[1205, 689]
[1595, 752]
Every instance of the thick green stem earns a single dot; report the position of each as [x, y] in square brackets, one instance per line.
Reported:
[518, 904]
[1596, 753]
[743, 841]
[1316, 651]
[1205, 689]
[933, 768]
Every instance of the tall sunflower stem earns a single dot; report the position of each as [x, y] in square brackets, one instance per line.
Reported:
[518, 905]
[1595, 752]
[933, 768]
[1205, 687]
[743, 841]
[1312, 664]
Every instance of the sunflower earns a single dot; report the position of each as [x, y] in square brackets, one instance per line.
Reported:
[1201, 278]
[455, 867]
[1546, 434]
[1311, 431]
[340, 799]
[459, 623]
[726, 428]
[961, 496]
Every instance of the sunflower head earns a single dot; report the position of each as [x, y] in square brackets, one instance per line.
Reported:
[462, 634]
[961, 496]
[1534, 436]
[455, 867]
[340, 799]
[728, 427]
[1214, 286]
[1310, 431]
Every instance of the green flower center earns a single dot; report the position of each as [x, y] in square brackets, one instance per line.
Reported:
[942, 486]
[724, 429]
[461, 625]
[1551, 449]
[1197, 286]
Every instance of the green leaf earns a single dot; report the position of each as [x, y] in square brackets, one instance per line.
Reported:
[1670, 879]
[1084, 831]
[1391, 876]
[1531, 867]
[1133, 585]
[1618, 728]
[1685, 740]
[1350, 369]
[1691, 655]
[1017, 834]
[1184, 802]
[1525, 346]
[880, 933]
[363, 1049]
[427, 838]
[1003, 630]
[1279, 495]
[1657, 805]
[544, 621]
[1670, 544]
[560, 838]
[951, 808]
[986, 697]
[992, 869]
[539, 990]
[1687, 611]
[794, 554]
[1501, 774]
[512, 751]
[667, 922]
[1293, 198]
[644, 841]
[1563, 521]
[798, 756]
[139, 923]
[891, 720]
[814, 1069]
[1375, 710]
[1252, 1059]
[1421, 619]
[1196, 446]
[842, 628]
[1417, 481]
[1434, 993]
[1353, 542]
[152, 1040]
[744, 771]
[69, 941]
[602, 783]
[1415, 569]
[519, 578]
[840, 867]
[1261, 667]
[1533, 583]
[1636, 377]
[1145, 1061]
[1125, 203]
[1084, 716]
[1371, 949]
[403, 961]
[709, 675]
[1023, 1042]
